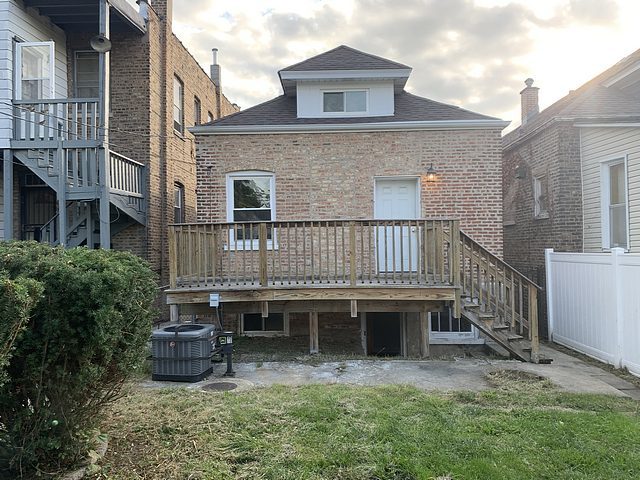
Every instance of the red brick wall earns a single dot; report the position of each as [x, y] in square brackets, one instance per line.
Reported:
[141, 123]
[331, 175]
[555, 153]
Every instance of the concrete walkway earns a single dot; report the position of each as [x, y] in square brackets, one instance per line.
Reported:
[566, 372]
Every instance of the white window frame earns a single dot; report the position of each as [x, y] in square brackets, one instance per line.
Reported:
[177, 82]
[244, 175]
[538, 212]
[266, 333]
[18, 67]
[344, 112]
[437, 338]
[605, 195]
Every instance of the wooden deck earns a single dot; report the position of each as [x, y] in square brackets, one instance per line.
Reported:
[351, 266]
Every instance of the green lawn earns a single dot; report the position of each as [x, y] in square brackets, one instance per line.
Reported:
[518, 431]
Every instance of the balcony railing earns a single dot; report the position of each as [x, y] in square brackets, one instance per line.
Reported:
[42, 123]
[315, 253]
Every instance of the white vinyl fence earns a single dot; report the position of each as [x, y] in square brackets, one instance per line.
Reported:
[593, 303]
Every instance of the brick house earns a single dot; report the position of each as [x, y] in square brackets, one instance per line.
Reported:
[349, 208]
[75, 110]
[558, 169]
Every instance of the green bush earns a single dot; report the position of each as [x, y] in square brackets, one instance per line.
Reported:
[17, 298]
[85, 336]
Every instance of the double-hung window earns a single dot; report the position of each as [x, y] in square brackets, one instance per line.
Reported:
[178, 105]
[540, 196]
[178, 203]
[347, 101]
[197, 111]
[87, 74]
[250, 200]
[35, 72]
[615, 230]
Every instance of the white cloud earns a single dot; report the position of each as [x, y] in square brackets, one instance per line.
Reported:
[475, 53]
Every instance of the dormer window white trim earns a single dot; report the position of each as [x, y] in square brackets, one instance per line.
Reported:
[344, 102]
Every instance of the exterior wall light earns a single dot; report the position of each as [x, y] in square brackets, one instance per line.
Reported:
[432, 175]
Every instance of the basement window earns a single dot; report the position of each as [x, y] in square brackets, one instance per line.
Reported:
[444, 324]
[349, 101]
[255, 324]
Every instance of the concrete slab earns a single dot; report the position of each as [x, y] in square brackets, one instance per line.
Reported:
[566, 372]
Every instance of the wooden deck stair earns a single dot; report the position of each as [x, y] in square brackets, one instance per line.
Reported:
[499, 301]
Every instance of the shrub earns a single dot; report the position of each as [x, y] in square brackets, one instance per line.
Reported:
[17, 298]
[85, 336]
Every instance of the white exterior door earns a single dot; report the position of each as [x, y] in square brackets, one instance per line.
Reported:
[397, 244]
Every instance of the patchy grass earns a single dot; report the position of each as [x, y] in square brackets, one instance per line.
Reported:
[358, 433]
[518, 381]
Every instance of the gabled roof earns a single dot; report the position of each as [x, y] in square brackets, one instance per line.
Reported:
[344, 58]
[344, 63]
[591, 101]
[282, 112]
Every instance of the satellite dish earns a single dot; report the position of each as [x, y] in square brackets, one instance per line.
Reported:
[100, 44]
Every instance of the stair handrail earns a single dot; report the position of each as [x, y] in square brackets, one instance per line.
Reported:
[51, 225]
[500, 288]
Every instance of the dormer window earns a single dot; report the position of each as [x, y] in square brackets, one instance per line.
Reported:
[344, 101]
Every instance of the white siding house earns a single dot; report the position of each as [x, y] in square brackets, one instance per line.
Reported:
[19, 24]
[611, 187]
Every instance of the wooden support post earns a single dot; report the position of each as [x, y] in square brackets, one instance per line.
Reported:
[264, 309]
[7, 184]
[363, 332]
[262, 247]
[313, 333]
[533, 324]
[173, 258]
[174, 313]
[456, 251]
[424, 334]
[352, 252]
[354, 308]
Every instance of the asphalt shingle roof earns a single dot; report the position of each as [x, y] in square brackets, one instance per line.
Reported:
[344, 58]
[282, 110]
[591, 100]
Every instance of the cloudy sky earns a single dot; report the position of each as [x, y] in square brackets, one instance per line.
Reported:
[472, 53]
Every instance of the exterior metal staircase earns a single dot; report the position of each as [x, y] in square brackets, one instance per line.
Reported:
[499, 301]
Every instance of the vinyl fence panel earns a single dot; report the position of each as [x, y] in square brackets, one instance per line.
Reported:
[594, 305]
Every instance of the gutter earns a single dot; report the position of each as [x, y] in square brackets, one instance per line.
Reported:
[348, 127]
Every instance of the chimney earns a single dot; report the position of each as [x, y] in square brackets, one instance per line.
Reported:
[215, 68]
[143, 6]
[529, 101]
[215, 78]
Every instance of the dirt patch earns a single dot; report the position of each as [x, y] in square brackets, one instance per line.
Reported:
[518, 381]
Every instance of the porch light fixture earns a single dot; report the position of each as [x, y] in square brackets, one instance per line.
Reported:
[432, 175]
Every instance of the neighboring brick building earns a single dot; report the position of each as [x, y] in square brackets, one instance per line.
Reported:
[157, 91]
[544, 183]
[346, 141]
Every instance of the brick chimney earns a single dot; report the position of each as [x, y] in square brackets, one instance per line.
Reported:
[529, 101]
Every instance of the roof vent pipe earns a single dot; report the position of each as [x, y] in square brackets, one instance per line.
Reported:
[143, 6]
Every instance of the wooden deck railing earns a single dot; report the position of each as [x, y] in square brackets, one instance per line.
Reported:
[499, 288]
[314, 253]
[40, 122]
[127, 178]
